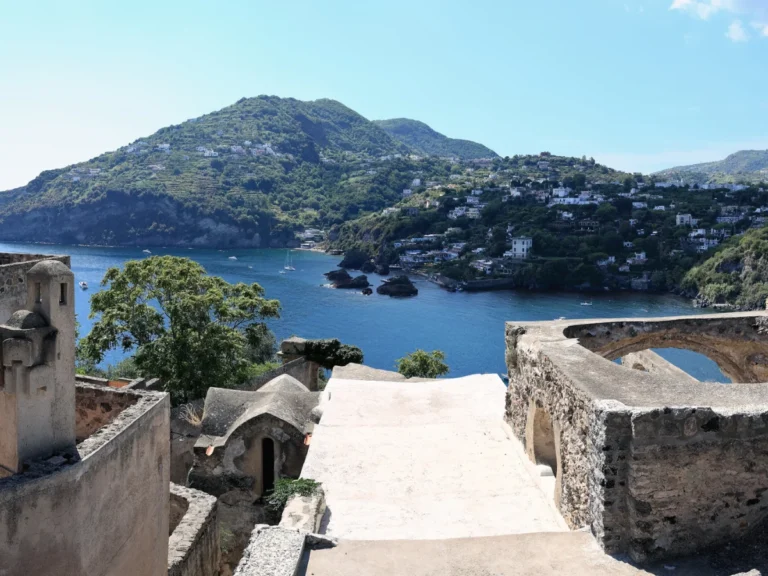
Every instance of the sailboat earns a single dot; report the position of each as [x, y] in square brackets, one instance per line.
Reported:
[288, 264]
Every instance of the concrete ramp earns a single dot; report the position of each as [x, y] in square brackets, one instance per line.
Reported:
[423, 461]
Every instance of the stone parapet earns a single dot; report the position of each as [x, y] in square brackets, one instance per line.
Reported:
[655, 463]
[193, 547]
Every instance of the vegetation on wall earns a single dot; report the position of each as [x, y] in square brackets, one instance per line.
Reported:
[285, 489]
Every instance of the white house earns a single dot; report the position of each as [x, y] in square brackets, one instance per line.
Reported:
[473, 213]
[164, 147]
[485, 266]
[416, 182]
[638, 258]
[407, 192]
[561, 192]
[639, 205]
[566, 215]
[477, 192]
[388, 211]
[210, 153]
[521, 247]
[237, 149]
[473, 200]
[683, 220]
[659, 208]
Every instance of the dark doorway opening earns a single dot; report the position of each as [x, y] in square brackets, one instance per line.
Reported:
[268, 464]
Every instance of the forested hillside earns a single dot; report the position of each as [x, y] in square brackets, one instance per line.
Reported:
[736, 276]
[247, 175]
[425, 140]
[746, 165]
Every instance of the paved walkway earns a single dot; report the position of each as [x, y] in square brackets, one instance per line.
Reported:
[423, 461]
[571, 554]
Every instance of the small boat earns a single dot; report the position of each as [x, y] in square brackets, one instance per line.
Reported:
[586, 303]
[251, 267]
[83, 285]
[282, 271]
[146, 251]
[288, 264]
[232, 258]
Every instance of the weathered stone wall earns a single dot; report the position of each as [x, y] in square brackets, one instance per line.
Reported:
[696, 478]
[532, 379]
[96, 407]
[193, 547]
[304, 512]
[300, 368]
[13, 280]
[106, 513]
[656, 463]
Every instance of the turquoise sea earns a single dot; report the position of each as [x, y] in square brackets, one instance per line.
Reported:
[468, 327]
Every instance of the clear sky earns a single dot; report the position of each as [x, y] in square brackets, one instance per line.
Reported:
[638, 84]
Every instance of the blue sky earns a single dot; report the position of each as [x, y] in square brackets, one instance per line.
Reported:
[638, 84]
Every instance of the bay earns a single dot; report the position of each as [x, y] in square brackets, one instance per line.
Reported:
[468, 327]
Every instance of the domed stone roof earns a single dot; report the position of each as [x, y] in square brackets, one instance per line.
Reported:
[26, 320]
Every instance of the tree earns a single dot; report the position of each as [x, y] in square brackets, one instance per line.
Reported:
[421, 364]
[189, 329]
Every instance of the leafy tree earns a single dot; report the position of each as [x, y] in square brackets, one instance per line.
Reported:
[421, 364]
[189, 329]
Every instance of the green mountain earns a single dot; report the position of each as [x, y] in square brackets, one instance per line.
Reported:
[425, 140]
[735, 276]
[248, 175]
[747, 165]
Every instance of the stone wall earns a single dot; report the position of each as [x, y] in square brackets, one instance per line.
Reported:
[303, 370]
[101, 511]
[193, 547]
[655, 463]
[13, 283]
[696, 478]
[96, 407]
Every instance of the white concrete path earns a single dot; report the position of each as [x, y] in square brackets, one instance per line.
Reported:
[424, 460]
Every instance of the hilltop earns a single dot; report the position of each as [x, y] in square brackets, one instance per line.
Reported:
[746, 165]
[425, 140]
[250, 174]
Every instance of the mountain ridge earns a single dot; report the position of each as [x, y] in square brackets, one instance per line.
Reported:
[424, 139]
[749, 165]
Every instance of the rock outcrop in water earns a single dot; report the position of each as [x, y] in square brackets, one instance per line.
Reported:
[342, 279]
[398, 286]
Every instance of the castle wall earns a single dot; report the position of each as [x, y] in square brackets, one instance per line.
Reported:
[193, 549]
[104, 513]
[13, 282]
[655, 463]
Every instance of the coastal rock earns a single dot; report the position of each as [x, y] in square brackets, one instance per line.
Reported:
[382, 269]
[398, 286]
[354, 260]
[368, 267]
[338, 276]
[342, 279]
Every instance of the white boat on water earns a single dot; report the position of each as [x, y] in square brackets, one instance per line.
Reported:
[83, 285]
[147, 251]
[586, 303]
[232, 258]
[288, 263]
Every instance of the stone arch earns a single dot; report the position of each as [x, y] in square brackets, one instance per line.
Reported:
[543, 447]
[737, 344]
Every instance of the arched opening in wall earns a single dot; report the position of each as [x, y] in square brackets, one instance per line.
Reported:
[676, 363]
[268, 464]
[544, 445]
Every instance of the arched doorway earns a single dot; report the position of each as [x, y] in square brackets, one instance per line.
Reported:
[544, 448]
[268, 464]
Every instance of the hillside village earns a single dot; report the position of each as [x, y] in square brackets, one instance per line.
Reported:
[530, 221]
